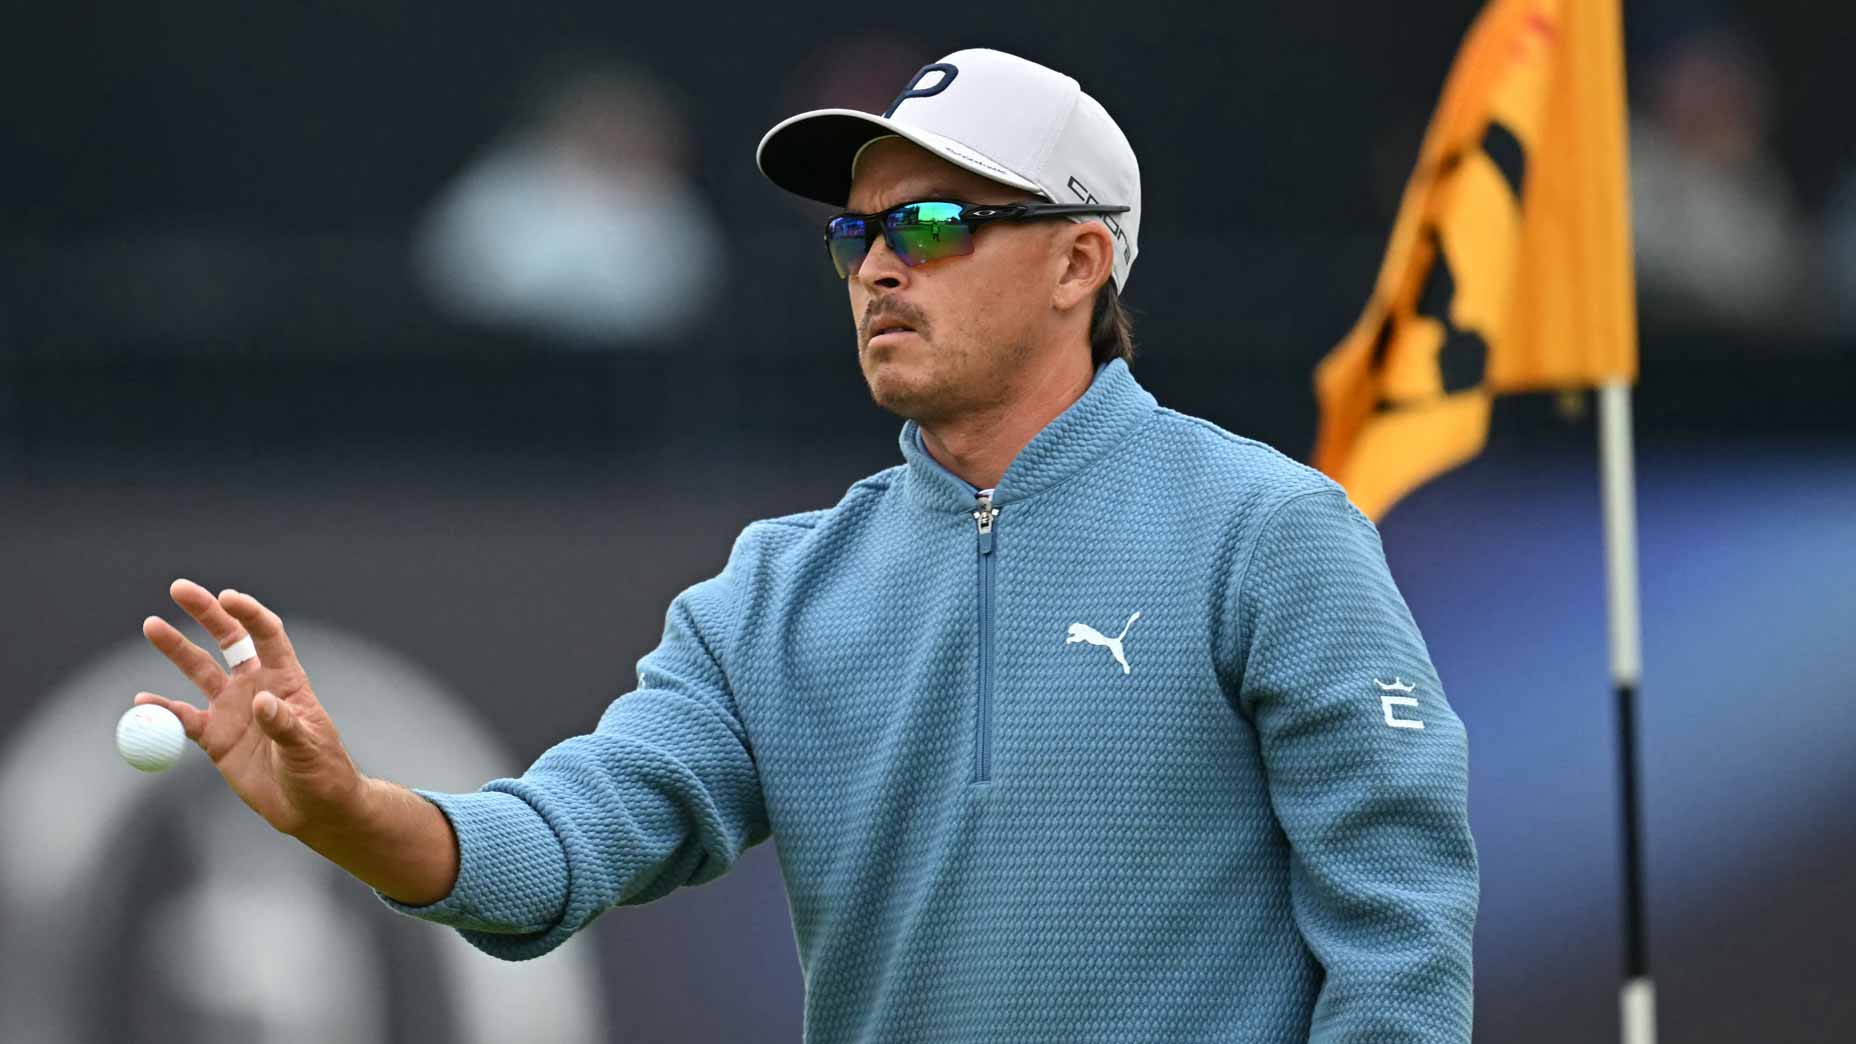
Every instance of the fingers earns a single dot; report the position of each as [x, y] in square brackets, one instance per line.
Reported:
[278, 721]
[192, 718]
[203, 607]
[265, 627]
[193, 661]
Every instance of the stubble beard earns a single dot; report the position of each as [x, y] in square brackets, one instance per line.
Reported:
[954, 384]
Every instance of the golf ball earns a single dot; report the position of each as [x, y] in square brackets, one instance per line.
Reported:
[150, 737]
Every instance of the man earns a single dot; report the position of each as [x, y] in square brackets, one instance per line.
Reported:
[1241, 817]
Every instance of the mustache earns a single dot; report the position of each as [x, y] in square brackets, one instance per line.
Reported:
[889, 308]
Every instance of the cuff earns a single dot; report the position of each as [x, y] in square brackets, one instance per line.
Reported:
[512, 869]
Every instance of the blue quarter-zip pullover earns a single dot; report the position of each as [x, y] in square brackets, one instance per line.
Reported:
[1144, 746]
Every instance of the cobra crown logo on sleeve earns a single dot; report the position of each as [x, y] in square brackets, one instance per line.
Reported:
[1403, 699]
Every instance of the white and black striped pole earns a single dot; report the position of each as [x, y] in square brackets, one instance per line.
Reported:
[1637, 997]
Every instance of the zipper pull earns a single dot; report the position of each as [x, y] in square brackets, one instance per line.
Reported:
[984, 517]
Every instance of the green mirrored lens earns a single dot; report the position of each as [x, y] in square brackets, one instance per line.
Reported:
[922, 232]
[848, 239]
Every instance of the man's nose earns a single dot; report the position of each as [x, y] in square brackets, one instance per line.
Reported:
[882, 268]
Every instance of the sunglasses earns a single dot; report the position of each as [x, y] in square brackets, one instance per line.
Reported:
[929, 230]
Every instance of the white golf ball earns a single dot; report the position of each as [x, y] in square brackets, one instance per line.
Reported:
[150, 737]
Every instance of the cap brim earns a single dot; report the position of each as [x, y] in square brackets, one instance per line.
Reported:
[810, 154]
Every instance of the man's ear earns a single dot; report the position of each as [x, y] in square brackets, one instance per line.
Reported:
[1088, 261]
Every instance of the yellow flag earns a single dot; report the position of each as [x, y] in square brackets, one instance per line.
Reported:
[1509, 267]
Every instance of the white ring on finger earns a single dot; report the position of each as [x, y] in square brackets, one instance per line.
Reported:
[240, 651]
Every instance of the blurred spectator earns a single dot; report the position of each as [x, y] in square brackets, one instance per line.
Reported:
[580, 224]
[1718, 236]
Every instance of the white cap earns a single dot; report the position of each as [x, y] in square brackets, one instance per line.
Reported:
[993, 113]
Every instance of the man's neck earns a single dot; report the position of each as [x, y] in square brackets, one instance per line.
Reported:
[979, 446]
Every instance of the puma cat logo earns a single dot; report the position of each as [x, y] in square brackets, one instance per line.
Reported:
[1082, 632]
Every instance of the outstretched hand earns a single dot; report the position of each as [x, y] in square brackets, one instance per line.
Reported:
[262, 726]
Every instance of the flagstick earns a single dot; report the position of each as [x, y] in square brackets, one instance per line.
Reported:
[1637, 998]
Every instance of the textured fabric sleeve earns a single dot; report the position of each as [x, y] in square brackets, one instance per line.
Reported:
[1368, 778]
[663, 793]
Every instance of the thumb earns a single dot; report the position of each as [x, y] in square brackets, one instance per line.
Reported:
[277, 720]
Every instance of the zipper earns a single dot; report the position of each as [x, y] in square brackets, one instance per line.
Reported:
[985, 516]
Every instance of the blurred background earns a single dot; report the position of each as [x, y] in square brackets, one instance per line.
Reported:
[467, 339]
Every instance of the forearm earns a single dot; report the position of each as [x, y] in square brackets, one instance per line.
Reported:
[1391, 917]
[663, 793]
[396, 842]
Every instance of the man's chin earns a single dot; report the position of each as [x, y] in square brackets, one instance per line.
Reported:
[897, 401]
[904, 394]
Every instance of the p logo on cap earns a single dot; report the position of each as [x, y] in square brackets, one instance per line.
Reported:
[948, 72]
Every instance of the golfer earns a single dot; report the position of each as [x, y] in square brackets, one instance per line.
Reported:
[1089, 721]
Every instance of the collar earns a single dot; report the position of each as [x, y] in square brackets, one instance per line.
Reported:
[1092, 426]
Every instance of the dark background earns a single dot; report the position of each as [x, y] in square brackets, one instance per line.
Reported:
[215, 361]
